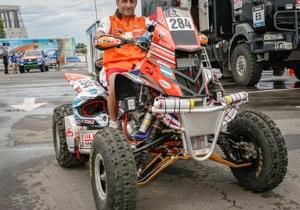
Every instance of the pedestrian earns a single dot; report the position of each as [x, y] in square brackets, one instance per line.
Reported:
[13, 59]
[5, 60]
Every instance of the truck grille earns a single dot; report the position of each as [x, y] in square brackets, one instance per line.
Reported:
[287, 20]
[30, 60]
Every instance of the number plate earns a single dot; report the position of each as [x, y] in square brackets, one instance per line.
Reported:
[180, 24]
[283, 46]
[258, 16]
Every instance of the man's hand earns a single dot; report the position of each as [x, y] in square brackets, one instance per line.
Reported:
[97, 36]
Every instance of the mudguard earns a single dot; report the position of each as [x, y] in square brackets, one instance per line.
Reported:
[129, 80]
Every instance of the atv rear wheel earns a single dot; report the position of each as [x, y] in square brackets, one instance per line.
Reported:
[113, 171]
[269, 165]
[64, 158]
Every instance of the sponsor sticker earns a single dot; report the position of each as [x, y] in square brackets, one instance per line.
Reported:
[238, 4]
[87, 140]
[88, 137]
[167, 72]
[164, 84]
[69, 133]
[258, 16]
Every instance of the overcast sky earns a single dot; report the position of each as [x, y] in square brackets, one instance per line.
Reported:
[62, 18]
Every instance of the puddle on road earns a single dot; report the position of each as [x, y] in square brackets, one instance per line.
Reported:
[32, 129]
[266, 83]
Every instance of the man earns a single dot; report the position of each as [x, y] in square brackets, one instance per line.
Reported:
[13, 59]
[115, 60]
[5, 60]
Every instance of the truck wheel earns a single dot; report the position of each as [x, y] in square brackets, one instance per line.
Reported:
[246, 71]
[64, 158]
[279, 71]
[47, 68]
[42, 67]
[22, 69]
[113, 171]
[269, 161]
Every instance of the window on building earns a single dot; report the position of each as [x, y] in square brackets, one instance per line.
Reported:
[17, 20]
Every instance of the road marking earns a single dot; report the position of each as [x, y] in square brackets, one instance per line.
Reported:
[276, 90]
[29, 148]
[28, 105]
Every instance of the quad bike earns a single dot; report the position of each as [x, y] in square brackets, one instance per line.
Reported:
[171, 108]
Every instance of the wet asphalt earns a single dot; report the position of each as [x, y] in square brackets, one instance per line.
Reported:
[31, 179]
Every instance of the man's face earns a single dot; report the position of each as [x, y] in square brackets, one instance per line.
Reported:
[126, 7]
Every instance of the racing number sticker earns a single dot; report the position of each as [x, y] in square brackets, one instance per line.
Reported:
[258, 16]
[180, 24]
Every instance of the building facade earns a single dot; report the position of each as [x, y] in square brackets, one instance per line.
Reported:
[12, 21]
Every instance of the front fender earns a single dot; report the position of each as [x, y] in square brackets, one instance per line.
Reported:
[126, 85]
[243, 32]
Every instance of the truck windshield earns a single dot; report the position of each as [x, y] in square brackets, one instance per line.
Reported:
[33, 53]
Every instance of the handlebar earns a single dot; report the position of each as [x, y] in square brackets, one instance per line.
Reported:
[110, 41]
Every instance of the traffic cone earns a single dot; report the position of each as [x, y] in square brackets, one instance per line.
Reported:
[292, 73]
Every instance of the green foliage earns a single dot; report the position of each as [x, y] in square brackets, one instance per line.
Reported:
[2, 32]
[81, 48]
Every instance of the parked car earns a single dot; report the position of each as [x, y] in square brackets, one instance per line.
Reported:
[73, 59]
[53, 58]
[34, 59]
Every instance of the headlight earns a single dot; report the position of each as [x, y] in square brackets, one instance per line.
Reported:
[270, 37]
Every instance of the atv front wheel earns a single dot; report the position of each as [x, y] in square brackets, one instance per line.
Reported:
[113, 171]
[268, 156]
[64, 158]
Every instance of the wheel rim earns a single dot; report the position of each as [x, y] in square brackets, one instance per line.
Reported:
[241, 66]
[100, 176]
[57, 142]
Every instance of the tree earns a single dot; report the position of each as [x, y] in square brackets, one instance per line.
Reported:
[81, 48]
[2, 32]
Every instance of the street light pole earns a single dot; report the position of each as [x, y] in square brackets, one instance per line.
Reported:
[96, 13]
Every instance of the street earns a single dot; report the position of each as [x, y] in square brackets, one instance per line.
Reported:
[30, 178]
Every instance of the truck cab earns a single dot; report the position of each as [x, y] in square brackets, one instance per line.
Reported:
[33, 59]
[247, 36]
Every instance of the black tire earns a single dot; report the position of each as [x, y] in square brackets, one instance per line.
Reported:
[113, 171]
[269, 168]
[246, 71]
[47, 68]
[42, 67]
[22, 69]
[279, 71]
[64, 158]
